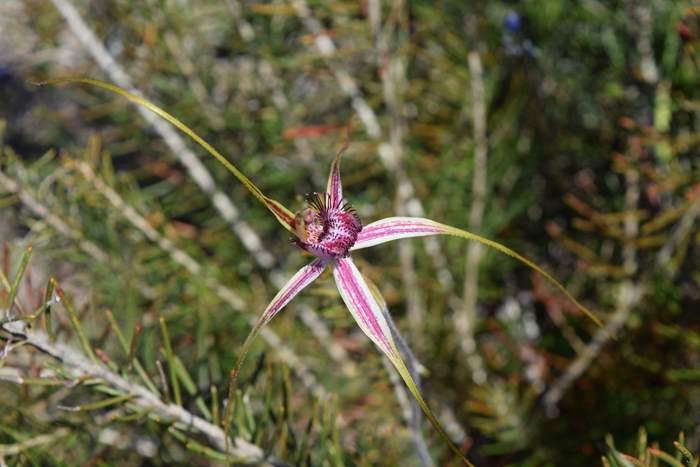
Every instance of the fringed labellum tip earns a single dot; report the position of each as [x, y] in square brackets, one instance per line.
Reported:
[326, 231]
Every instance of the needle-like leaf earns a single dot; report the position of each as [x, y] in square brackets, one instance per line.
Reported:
[82, 337]
[18, 277]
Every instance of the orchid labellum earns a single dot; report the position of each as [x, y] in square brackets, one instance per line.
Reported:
[330, 229]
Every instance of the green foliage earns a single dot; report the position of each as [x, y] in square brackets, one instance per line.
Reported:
[64, 402]
[593, 135]
[650, 456]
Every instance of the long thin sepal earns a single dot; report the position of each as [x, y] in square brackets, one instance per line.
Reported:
[296, 284]
[283, 215]
[334, 187]
[410, 383]
[368, 313]
[396, 228]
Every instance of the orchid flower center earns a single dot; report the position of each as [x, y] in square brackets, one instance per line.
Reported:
[326, 231]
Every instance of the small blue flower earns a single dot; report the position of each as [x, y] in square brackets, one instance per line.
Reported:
[512, 22]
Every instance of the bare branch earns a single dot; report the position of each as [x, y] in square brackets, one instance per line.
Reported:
[465, 321]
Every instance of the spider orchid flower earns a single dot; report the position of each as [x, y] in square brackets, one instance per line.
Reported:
[330, 229]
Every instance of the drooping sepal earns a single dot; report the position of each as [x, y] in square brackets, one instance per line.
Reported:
[296, 284]
[396, 228]
[369, 314]
[283, 215]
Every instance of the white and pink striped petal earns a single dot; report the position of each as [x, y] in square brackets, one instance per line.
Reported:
[364, 308]
[368, 311]
[296, 284]
[396, 228]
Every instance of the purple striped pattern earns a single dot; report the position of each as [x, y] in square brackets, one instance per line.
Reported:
[296, 284]
[395, 228]
[362, 304]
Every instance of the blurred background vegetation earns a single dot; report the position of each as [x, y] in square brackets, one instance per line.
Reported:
[567, 130]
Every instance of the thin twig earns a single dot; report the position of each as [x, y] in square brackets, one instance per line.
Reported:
[41, 440]
[80, 367]
[630, 295]
[411, 411]
[465, 321]
[678, 237]
[393, 83]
